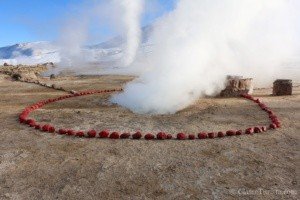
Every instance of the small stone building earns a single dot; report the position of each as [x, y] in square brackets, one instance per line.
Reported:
[237, 85]
[282, 87]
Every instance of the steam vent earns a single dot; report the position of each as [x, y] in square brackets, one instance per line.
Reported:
[237, 85]
[282, 87]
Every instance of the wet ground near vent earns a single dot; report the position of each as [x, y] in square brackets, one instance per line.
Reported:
[35, 165]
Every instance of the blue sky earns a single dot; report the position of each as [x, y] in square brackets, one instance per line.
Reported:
[36, 20]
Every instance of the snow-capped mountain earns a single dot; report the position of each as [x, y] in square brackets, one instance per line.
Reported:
[42, 52]
[29, 53]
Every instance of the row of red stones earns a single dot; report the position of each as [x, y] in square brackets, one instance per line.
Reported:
[23, 118]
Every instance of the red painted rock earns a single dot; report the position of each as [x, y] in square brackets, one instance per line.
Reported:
[202, 135]
[257, 129]
[270, 112]
[125, 135]
[34, 107]
[221, 134]
[92, 133]
[51, 129]
[137, 135]
[169, 136]
[262, 106]
[239, 132]
[104, 134]
[114, 135]
[230, 133]
[249, 131]
[278, 125]
[70, 132]
[272, 126]
[181, 136]
[46, 128]
[161, 136]
[62, 131]
[32, 124]
[257, 101]
[277, 122]
[30, 121]
[22, 120]
[192, 136]
[211, 135]
[25, 115]
[266, 109]
[264, 128]
[149, 136]
[38, 127]
[272, 116]
[80, 134]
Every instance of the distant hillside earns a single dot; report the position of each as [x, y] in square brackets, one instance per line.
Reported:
[41, 52]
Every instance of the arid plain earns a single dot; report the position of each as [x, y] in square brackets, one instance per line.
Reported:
[37, 165]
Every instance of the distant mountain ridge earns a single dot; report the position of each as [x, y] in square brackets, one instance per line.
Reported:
[8, 51]
[43, 51]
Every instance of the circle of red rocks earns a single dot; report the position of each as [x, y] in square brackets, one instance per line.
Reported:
[24, 119]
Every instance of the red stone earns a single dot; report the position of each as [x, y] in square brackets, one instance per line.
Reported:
[161, 136]
[272, 126]
[137, 135]
[257, 101]
[181, 136]
[80, 134]
[202, 135]
[46, 128]
[51, 129]
[239, 132]
[211, 135]
[276, 121]
[257, 129]
[270, 112]
[249, 131]
[149, 136]
[92, 133]
[70, 132]
[262, 106]
[221, 134]
[264, 128]
[272, 116]
[192, 136]
[278, 125]
[114, 135]
[169, 136]
[22, 120]
[125, 135]
[104, 134]
[38, 127]
[30, 121]
[32, 124]
[230, 133]
[62, 131]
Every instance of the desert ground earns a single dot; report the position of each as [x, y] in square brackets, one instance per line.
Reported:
[37, 165]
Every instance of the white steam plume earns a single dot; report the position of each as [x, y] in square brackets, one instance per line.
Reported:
[131, 13]
[200, 42]
[73, 36]
[122, 16]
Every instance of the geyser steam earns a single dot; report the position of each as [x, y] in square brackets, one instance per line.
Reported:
[132, 12]
[76, 31]
[200, 42]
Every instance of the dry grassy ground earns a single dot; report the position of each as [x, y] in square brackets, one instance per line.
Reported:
[35, 165]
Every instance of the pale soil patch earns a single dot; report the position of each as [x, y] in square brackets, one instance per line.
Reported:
[35, 165]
